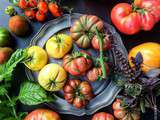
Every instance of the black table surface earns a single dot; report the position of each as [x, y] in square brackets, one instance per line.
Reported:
[101, 8]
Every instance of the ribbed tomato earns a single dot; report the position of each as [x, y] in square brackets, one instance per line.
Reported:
[83, 29]
[96, 72]
[78, 93]
[103, 116]
[123, 114]
[42, 114]
[77, 63]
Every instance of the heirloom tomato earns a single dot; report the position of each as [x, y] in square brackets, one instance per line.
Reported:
[83, 29]
[106, 42]
[77, 63]
[103, 116]
[58, 45]
[37, 58]
[5, 37]
[151, 55]
[96, 72]
[42, 114]
[52, 77]
[32, 3]
[124, 114]
[54, 9]
[78, 93]
[141, 15]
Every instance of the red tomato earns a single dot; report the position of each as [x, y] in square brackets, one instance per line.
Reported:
[42, 6]
[33, 3]
[30, 14]
[131, 19]
[103, 116]
[54, 9]
[40, 16]
[123, 114]
[77, 63]
[42, 114]
[23, 4]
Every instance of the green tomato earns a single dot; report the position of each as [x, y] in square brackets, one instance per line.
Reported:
[4, 37]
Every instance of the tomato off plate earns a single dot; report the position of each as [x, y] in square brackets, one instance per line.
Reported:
[105, 91]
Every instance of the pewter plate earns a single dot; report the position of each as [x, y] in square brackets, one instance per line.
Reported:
[105, 90]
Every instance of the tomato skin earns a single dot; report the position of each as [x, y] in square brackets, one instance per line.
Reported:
[54, 9]
[95, 72]
[31, 14]
[42, 6]
[40, 16]
[76, 65]
[40, 114]
[106, 43]
[32, 3]
[78, 93]
[124, 19]
[23, 4]
[103, 116]
[123, 114]
[130, 19]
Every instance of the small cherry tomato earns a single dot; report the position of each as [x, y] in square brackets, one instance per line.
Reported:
[23, 4]
[42, 6]
[32, 3]
[30, 14]
[54, 9]
[40, 16]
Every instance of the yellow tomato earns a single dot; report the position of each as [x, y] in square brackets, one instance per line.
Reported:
[151, 55]
[58, 45]
[37, 58]
[52, 77]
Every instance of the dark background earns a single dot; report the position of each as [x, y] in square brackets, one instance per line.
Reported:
[101, 8]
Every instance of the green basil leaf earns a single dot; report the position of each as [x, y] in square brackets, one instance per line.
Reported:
[32, 94]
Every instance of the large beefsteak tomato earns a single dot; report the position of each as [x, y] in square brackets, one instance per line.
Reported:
[141, 15]
[77, 63]
[42, 114]
[78, 93]
[83, 29]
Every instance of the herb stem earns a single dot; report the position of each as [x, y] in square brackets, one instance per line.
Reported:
[101, 54]
[13, 108]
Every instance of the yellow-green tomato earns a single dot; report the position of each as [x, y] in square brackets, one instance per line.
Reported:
[52, 77]
[59, 45]
[37, 58]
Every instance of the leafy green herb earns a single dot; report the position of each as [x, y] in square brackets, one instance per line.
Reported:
[32, 94]
[7, 69]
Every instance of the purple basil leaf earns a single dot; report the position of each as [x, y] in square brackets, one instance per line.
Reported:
[139, 58]
[153, 73]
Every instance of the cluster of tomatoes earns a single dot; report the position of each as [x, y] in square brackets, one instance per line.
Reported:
[38, 9]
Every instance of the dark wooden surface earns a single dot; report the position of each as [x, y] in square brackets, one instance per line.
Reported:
[101, 8]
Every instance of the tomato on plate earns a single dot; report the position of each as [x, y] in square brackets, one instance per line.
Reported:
[40, 16]
[54, 9]
[59, 45]
[141, 15]
[42, 114]
[102, 116]
[77, 63]
[78, 93]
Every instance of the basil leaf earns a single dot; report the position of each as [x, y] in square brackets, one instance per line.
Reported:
[32, 94]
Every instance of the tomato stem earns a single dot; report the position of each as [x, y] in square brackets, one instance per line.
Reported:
[104, 75]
